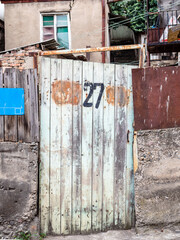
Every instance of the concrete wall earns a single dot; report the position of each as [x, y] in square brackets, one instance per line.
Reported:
[22, 23]
[18, 188]
[157, 180]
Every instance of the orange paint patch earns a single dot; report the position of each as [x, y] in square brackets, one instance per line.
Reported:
[66, 92]
[122, 95]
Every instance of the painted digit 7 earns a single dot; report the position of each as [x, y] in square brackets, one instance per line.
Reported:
[92, 88]
[100, 93]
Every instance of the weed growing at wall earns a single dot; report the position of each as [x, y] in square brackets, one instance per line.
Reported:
[23, 236]
[29, 236]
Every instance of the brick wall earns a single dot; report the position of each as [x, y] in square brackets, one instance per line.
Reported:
[20, 59]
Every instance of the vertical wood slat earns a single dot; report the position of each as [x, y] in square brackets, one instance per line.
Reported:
[129, 187]
[10, 121]
[45, 145]
[87, 168]
[120, 148]
[28, 124]
[76, 147]
[108, 154]
[66, 165]
[28, 107]
[21, 119]
[55, 158]
[1, 117]
[97, 151]
[33, 106]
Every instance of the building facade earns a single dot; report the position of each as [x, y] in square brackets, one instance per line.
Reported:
[73, 23]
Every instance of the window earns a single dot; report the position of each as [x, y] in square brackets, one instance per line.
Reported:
[57, 26]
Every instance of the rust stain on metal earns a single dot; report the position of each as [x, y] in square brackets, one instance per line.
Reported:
[156, 93]
[86, 50]
[66, 92]
[122, 95]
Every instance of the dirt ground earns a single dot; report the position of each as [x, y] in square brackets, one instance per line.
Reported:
[143, 234]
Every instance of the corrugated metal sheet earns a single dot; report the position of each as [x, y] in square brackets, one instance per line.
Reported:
[86, 171]
[156, 94]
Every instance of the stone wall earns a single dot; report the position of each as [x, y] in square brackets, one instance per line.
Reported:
[18, 188]
[157, 180]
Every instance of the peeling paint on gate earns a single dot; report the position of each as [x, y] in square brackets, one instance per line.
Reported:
[66, 92]
[122, 95]
[86, 147]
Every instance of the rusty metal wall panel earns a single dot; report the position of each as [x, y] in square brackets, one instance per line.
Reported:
[156, 94]
[86, 182]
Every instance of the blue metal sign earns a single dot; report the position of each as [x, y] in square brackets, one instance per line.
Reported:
[11, 101]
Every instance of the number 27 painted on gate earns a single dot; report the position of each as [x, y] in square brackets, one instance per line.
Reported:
[93, 87]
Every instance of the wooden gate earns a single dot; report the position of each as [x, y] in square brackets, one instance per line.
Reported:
[86, 171]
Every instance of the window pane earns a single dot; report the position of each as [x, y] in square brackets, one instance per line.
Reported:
[62, 21]
[46, 37]
[48, 33]
[62, 37]
[48, 21]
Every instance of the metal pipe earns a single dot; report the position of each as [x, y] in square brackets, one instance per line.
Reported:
[98, 49]
[103, 29]
[148, 53]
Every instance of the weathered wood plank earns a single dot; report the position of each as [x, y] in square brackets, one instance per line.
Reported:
[36, 80]
[76, 145]
[28, 124]
[33, 106]
[97, 148]
[10, 121]
[130, 214]
[24, 122]
[45, 145]
[1, 117]
[120, 147]
[66, 163]
[55, 151]
[28, 113]
[21, 119]
[108, 153]
[87, 160]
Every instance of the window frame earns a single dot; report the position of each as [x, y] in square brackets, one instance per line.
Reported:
[55, 14]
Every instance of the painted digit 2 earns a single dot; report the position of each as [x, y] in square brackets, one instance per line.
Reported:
[93, 87]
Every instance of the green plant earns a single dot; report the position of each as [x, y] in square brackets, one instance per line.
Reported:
[23, 236]
[135, 11]
[41, 236]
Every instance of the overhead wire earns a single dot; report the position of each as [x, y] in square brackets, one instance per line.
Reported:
[144, 14]
[141, 15]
